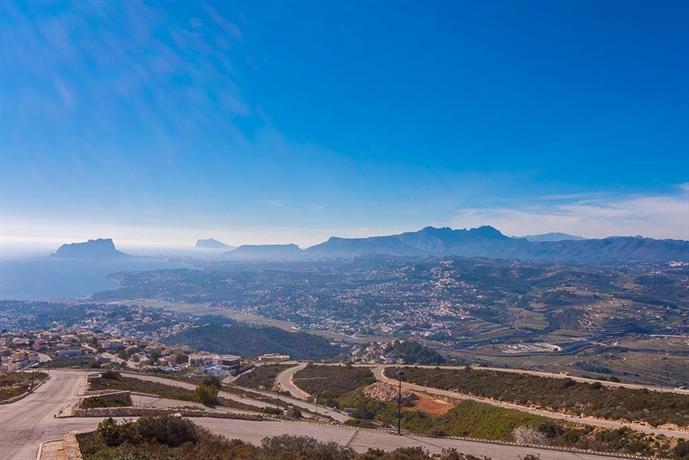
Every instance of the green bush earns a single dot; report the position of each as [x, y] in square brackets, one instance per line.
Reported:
[206, 394]
[166, 429]
[212, 381]
[169, 430]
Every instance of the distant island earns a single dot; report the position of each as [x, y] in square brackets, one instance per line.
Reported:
[101, 248]
[211, 243]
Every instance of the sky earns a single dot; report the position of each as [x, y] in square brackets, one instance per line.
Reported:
[157, 123]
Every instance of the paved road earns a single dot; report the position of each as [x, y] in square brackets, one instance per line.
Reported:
[633, 386]
[285, 379]
[30, 421]
[379, 374]
[335, 415]
[24, 424]
[191, 386]
[361, 440]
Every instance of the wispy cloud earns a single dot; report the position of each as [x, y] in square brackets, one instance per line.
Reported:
[658, 216]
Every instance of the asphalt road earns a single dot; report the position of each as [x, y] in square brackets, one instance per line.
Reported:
[633, 386]
[284, 379]
[191, 386]
[335, 415]
[24, 424]
[378, 372]
[30, 421]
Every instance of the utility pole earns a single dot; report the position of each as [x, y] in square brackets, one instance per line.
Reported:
[400, 374]
[33, 370]
[277, 392]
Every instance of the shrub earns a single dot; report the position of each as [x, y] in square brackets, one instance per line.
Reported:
[212, 381]
[550, 429]
[109, 431]
[112, 375]
[167, 429]
[206, 394]
[303, 447]
[682, 449]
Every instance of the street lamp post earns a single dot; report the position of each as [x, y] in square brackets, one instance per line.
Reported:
[400, 374]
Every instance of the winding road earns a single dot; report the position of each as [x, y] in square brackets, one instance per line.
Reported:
[379, 374]
[28, 422]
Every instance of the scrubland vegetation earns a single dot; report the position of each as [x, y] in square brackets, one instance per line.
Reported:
[591, 399]
[15, 383]
[172, 438]
[342, 388]
[261, 376]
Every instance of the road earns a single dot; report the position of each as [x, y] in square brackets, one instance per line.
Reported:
[379, 374]
[191, 386]
[285, 380]
[24, 424]
[335, 415]
[30, 421]
[361, 439]
[633, 386]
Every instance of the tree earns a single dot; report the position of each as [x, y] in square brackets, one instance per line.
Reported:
[206, 394]
[212, 380]
[154, 356]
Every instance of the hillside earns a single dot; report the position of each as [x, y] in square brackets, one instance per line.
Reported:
[250, 341]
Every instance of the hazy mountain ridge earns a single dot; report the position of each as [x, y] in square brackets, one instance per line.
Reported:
[212, 243]
[101, 248]
[553, 236]
[484, 241]
[265, 252]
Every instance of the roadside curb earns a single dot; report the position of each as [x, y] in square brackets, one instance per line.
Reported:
[40, 447]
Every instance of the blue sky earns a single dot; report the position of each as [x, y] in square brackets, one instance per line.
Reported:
[157, 123]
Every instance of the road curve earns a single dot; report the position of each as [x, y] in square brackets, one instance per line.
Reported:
[30, 421]
[632, 386]
[361, 439]
[24, 424]
[286, 382]
[191, 386]
[379, 373]
[335, 415]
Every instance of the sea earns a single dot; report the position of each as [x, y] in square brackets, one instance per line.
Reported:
[50, 278]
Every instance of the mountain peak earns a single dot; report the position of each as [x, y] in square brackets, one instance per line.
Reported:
[487, 230]
[211, 243]
[100, 248]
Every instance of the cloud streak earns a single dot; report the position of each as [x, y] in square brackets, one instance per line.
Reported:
[656, 216]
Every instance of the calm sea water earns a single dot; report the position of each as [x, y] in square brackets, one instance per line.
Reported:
[44, 278]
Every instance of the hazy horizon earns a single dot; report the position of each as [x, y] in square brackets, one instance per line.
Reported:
[158, 124]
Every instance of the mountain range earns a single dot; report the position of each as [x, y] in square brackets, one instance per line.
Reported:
[483, 241]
